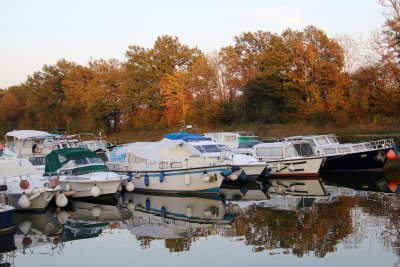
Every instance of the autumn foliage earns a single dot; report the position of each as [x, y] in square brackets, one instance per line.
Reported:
[263, 77]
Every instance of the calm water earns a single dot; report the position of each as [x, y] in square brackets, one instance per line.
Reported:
[348, 227]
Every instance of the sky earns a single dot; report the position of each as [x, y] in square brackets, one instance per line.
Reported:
[34, 33]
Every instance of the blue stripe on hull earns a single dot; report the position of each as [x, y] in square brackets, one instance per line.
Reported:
[174, 173]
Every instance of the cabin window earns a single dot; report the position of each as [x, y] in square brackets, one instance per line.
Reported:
[211, 148]
[176, 164]
[332, 140]
[95, 160]
[329, 151]
[164, 165]
[230, 138]
[344, 150]
[199, 148]
[358, 148]
[37, 161]
[81, 161]
[269, 151]
[321, 141]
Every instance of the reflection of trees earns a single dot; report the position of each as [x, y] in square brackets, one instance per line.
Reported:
[384, 210]
[318, 230]
[178, 244]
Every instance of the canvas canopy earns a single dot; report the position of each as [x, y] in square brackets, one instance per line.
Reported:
[57, 158]
[154, 150]
[24, 134]
[16, 167]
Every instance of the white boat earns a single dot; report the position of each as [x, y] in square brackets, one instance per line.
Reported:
[289, 158]
[6, 213]
[245, 168]
[82, 172]
[240, 142]
[34, 145]
[350, 157]
[26, 188]
[173, 216]
[170, 166]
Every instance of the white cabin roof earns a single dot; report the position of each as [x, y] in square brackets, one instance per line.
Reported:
[23, 134]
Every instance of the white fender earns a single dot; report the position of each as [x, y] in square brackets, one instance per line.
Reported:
[24, 202]
[130, 186]
[61, 200]
[96, 211]
[95, 191]
[205, 178]
[189, 211]
[131, 206]
[207, 214]
[187, 178]
[25, 226]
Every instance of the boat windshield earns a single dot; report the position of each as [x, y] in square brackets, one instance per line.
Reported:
[208, 148]
[322, 141]
[333, 140]
[302, 149]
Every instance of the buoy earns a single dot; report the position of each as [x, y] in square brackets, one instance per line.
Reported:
[131, 206]
[146, 180]
[24, 184]
[280, 189]
[205, 177]
[26, 241]
[243, 177]
[163, 212]
[162, 175]
[24, 202]
[291, 167]
[96, 211]
[392, 185]
[207, 214]
[189, 211]
[148, 204]
[391, 155]
[25, 226]
[130, 186]
[53, 182]
[62, 217]
[95, 191]
[61, 200]
[187, 178]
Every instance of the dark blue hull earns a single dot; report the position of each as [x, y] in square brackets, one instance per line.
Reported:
[6, 218]
[358, 162]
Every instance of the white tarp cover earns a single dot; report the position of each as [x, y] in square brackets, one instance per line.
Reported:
[154, 150]
[16, 167]
[23, 134]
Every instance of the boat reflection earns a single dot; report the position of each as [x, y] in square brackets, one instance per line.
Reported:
[7, 248]
[365, 181]
[173, 216]
[35, 230]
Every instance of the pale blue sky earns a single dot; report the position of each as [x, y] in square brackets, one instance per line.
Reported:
[38, 32]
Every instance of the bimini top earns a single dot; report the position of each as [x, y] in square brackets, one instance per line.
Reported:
[24, 134]
[187, 137]
[75, 160]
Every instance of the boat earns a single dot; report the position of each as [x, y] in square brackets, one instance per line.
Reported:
[81, 172]
[170, 166]
[25, 187]
[240, 142]
[278, 195]
[289, 158]
[34, 145]
[355, 157]
[245, 168]
[6, 213]
[90, 142]
[173, 216]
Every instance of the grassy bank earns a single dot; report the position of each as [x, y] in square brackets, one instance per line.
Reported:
[356, 132]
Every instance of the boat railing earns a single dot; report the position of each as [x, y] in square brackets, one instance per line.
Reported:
[378, 144]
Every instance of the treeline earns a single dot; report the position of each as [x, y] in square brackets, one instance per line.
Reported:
[264, 77]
